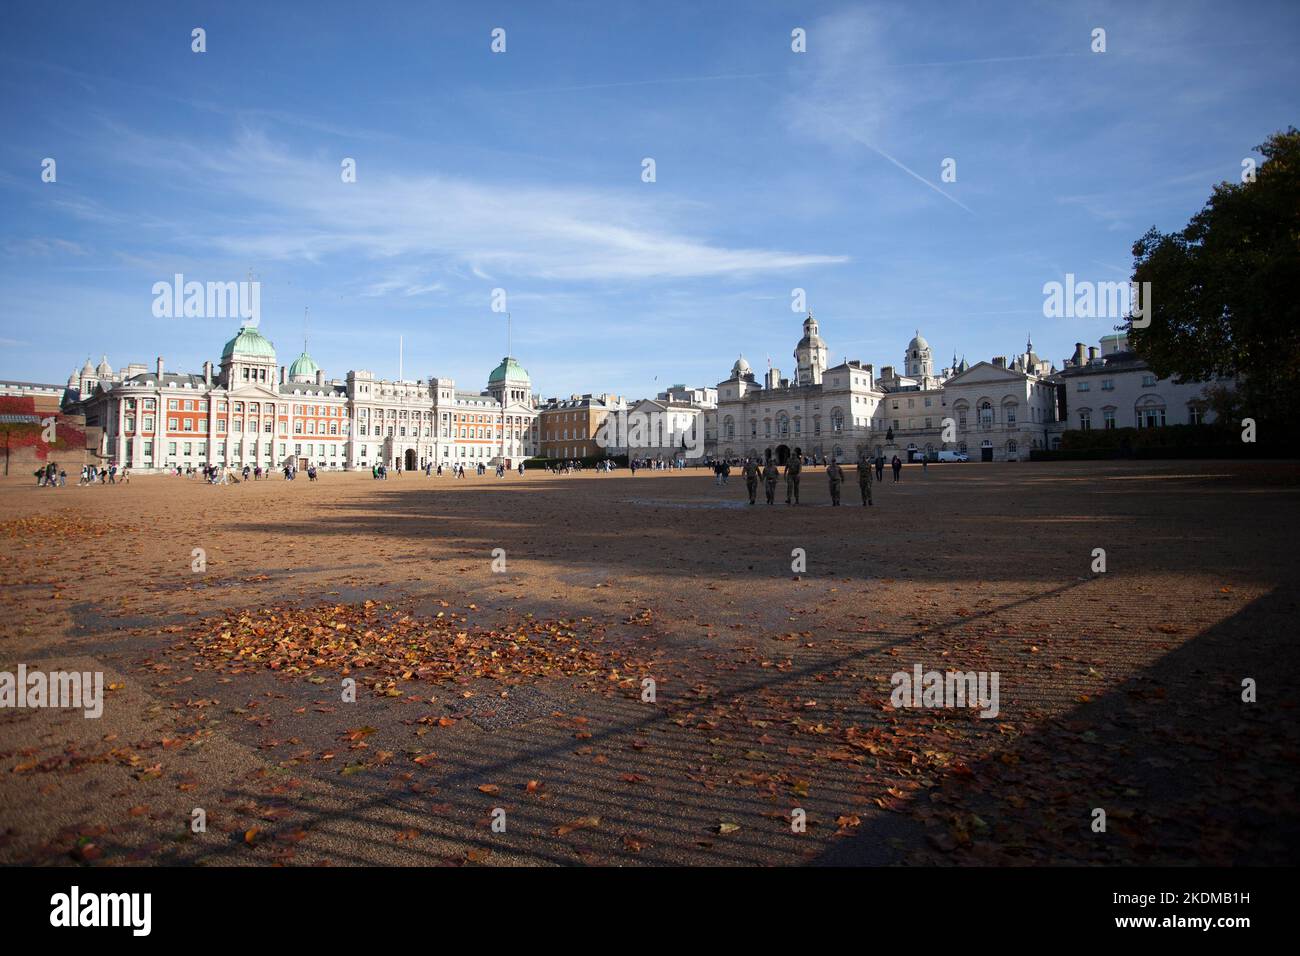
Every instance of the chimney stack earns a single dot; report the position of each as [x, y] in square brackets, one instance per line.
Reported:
[207, 374]
[320, 376]
[281, 374]
[999, 361]
[160, 367]
[1093, 353]
[1080, 354]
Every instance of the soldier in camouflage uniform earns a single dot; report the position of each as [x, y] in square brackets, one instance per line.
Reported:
[835, 475]
[792, 468]
[751, 479]
[770, 474]
[864, 477]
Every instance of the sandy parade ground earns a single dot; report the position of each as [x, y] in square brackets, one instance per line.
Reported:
[500, 633]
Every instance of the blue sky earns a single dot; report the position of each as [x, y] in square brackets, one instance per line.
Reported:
[522, 171]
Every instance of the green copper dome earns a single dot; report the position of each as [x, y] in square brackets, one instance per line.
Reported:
[249, 342]
[304, 366]
[508, 369]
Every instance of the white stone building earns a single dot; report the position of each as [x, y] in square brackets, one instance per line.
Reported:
[1111, 387]
[996, 410]
[663, 430]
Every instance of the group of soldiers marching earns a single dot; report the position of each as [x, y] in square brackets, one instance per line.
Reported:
[769, 474]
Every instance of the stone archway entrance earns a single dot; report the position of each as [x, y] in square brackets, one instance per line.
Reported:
[782, 454]
[410, 460]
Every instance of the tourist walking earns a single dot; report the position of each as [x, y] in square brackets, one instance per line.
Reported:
[897, 465]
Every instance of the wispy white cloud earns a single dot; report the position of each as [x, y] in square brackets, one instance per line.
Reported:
[44, 247]
[303, 211]
[847, 97]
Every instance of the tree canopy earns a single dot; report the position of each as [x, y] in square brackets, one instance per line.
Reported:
[1224, 289]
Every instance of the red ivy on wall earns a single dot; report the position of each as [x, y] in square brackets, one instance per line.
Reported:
[16, 435]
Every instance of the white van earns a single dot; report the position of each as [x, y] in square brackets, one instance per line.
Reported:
[953, 456]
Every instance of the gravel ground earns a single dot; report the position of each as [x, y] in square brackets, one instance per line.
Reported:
[1119, 691]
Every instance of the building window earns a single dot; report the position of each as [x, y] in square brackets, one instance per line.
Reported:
[1150, 417]
[1195, 415]
[1108, 418]
[1085, 420]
